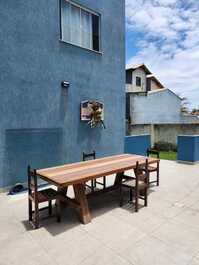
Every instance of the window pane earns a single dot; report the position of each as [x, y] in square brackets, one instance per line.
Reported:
[86, 29]
[79, 26]
[95, 28]
[138, 81]
[75, 25]
[65, 20]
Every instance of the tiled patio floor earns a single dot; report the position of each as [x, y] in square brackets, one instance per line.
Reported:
[164, 233]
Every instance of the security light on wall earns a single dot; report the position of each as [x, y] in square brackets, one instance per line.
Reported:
[65, 84]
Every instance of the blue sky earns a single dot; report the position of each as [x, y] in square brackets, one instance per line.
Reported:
[164, 34]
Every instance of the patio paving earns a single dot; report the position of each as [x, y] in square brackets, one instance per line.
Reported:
[164, 233]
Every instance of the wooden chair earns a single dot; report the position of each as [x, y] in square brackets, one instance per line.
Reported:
[35, 197]
[155, 167]
[94, 182]
[138, 186]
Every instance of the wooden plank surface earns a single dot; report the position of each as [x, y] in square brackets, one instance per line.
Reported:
[81, 172]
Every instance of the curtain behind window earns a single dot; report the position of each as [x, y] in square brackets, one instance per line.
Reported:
[65, 20]
[86, 29]
[77, 25]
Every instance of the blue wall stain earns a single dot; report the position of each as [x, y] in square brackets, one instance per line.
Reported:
[188, 148]
[33, 62]
[137, 144]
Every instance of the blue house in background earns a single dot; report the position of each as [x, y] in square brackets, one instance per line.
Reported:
[155, 110]
[42, 44]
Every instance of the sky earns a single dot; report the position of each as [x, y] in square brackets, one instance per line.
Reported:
[164, 34]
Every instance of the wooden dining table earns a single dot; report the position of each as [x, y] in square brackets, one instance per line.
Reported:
[77, 174]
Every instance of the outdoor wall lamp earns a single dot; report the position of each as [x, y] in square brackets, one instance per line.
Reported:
[65, 84]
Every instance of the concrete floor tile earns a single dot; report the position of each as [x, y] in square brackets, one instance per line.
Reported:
[10, 228]
[22, 249]
[105, 256]
[179, 235]
[114, 232]
[138, 220]
[151, 250]
[189, 217]
[72, 252]
[195, 261]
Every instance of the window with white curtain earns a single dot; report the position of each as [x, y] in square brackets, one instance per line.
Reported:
[80, 26]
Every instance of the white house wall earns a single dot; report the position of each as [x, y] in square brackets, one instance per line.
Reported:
[154, 85]
[133, 88]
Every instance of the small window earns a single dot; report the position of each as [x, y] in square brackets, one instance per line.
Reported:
[138, 81]
[80, 26]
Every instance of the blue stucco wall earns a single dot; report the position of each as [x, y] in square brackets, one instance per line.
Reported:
[40, 123]
[137, 144]
[158, 107]
[188, 148]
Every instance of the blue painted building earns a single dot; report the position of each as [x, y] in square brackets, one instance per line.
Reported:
[42, 44]
[188, 148]
[153, 109]
[160, 106]
[137, 144]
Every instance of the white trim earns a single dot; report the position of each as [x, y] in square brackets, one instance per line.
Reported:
[188, 135]
[73, 44]
[82, 7]
[91, 12]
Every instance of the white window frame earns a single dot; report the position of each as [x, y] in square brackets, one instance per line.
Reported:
[91, 12]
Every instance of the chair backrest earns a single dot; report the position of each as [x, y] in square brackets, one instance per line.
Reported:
[141, 174]
[32, 182]
[153, 152]
[88, 156]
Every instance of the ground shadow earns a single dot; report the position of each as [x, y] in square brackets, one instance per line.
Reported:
[98, 205]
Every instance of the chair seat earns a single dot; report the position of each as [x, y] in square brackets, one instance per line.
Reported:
[132, 183]
[141, 177]
[150, 168]
[46, 195]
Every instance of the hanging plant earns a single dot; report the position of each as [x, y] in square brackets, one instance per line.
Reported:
[96, 115]
[93, 113]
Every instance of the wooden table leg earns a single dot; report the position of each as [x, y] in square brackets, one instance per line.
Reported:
[80, 196]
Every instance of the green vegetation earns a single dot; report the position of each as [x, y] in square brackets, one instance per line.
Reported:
[168, 151]
[170, 155]
[165, 146]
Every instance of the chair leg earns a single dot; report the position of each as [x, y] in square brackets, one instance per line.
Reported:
[104, 182]
[58, 210]
[50, 208]
[93, 185]
[146, 197]
[29, 210]
[136, 201]
[36, 216]
[158, 177]
[121, 196]
[131, 195]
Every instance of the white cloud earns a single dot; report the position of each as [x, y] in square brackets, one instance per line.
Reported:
[170, 42]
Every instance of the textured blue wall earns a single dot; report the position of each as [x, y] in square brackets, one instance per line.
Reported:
[137, 144]
[40, 123]
[158, 107]
[188, 148]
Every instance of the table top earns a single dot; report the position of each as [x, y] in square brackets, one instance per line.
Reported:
[82, 172]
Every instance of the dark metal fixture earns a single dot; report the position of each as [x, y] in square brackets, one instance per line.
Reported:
[65, 84]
